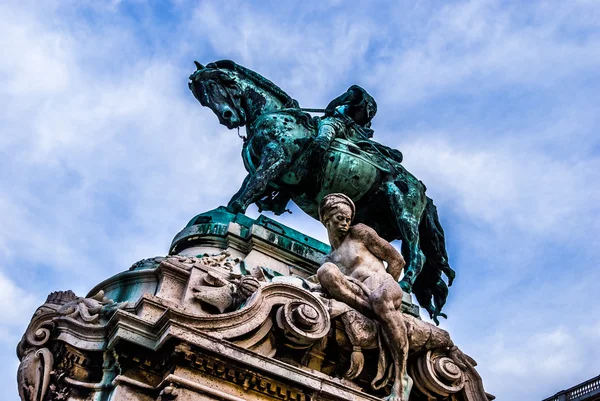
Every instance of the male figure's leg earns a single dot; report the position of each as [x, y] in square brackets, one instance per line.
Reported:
[386, 301]
[342, 289]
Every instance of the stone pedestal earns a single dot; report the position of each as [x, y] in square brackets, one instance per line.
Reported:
[230, 314]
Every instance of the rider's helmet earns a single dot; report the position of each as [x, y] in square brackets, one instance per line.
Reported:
[355, 103]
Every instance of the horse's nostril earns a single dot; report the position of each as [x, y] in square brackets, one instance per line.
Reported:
[227, 114]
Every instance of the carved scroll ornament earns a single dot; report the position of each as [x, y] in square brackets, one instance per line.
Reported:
[36, 371]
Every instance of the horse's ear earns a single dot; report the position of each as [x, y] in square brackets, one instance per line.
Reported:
[198, 65]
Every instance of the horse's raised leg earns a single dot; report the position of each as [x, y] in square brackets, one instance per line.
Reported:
[272, 164]
[407, 209]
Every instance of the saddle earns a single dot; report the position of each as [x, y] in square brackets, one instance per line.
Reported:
[379, 156]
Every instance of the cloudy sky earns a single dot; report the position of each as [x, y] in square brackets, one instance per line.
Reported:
[105, 154]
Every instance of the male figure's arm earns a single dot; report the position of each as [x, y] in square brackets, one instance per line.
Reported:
[380, 248]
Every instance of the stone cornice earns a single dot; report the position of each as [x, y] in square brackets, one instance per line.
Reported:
[223, 230]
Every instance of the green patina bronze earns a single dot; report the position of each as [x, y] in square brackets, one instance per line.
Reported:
[216, 223]
[290, 155]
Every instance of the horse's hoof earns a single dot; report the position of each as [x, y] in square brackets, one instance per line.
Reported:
[235, 208]
[451, 274]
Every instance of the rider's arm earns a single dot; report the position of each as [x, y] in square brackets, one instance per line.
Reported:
[327, 131]
[380, 248]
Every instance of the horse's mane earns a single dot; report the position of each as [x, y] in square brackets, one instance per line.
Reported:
[259, 80]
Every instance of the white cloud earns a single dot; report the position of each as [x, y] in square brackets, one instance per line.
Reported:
[93, 147]
[538, 363]
[18, 307]
[306, 57]
[476, 46]
[34, 67]
[505, 187]
[109, 156]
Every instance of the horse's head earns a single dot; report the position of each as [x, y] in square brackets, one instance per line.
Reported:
[219, 90]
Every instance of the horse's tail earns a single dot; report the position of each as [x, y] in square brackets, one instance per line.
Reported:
[429, 288]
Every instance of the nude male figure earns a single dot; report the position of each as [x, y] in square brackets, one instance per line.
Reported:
[356, 275]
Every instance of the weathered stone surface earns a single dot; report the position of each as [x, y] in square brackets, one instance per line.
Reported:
[213, 326]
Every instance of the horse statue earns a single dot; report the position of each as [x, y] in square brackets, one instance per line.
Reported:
[278, 138]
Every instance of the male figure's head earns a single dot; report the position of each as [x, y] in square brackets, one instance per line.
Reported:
[336, 212]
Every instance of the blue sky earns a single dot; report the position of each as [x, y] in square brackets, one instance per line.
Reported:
[105, 155]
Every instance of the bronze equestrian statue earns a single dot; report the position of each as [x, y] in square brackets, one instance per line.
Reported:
[290, 155]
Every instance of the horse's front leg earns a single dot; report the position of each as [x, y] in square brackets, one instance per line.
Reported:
[240, 191]
[272, 164]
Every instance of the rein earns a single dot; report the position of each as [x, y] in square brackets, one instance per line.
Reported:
[309, 110]
[301, 109]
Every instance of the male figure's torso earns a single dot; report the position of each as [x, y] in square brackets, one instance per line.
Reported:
[355, 260]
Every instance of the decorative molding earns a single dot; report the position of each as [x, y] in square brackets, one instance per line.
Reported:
[274, 339]
[86, 310]
[221, 259]
[236, 374]
[33, 375]
[170, 392]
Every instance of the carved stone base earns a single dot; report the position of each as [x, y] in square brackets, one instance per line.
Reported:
[224, 319]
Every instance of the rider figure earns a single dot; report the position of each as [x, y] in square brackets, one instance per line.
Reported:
[349, 116]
